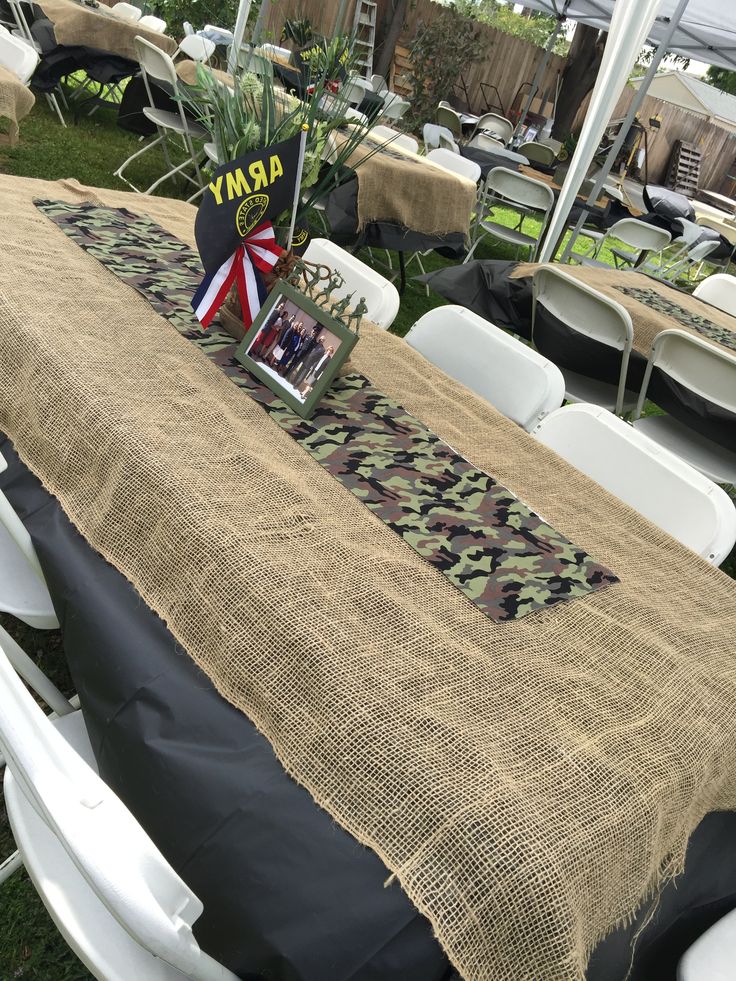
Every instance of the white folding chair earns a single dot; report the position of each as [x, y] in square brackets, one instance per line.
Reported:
[126, 11]
[196, 47]
[24, 33]
[720, 291]
[517, 380]
[656, 483]
[435, 136]
[115, 899]
[17, 56]
[395, 138]
[353, 90]
[274, 49]
[711, 957]
[484, 141]
[152, 23]
[495, 125]
[538, 153]
[156, 64]
[640, 236]
[381, 296]
[394, 107]
[585, 311]
[447, 117]
[378, 84]
[707, 371]
[506, 188]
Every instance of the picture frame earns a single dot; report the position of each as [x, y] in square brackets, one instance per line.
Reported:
[295, 347]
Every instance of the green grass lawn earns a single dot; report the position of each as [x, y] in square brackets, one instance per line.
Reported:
[90, 151]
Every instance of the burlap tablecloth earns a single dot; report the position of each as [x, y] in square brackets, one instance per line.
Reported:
[76, 24]
[16, 101]
[410, 191]
[531, 783]
[187, 72]
[646, 320]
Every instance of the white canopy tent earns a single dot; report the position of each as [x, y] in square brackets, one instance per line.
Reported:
[693, 28]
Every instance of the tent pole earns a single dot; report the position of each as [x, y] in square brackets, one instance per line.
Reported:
[261, 21]
[238, 34]
[541, 68]
[636, 102]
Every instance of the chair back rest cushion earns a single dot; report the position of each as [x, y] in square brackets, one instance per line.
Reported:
[18, 57]
[656, 483]
[110, 849]
[518, 381]
[381, 296]
[720, 291]
[699, 366]
[457, 164]
[639, 235]
[582, 308]
[520, 189]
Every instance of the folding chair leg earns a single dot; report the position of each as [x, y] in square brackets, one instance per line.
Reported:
[138, 153]
[52, 101]
[33, 675]
[10, 865]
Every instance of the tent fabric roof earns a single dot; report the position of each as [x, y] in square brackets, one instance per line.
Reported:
[706, 32]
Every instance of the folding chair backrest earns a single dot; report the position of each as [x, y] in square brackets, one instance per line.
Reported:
[196, 47]
[394, 107]
[640, 235]
[126, 11]
[486, 142]
[520, 189]
[381, 296]
[656, 483]
[274, 49]
[582, 308]
[457, 164]
[403, 140]
[152, 23]
[109, 848]
[155, 62]
[353, 90]
[697, 365]
[447, 117]
[499, 126]
[518, 381]
[720, 291]
[18, 57]
[538, 152]
[378, 84]
[438, 136]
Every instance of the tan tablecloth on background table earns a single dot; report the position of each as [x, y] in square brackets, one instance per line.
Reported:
[410, 191]
[16, 101]
[646, 321]
[530, 783]
[76, 24]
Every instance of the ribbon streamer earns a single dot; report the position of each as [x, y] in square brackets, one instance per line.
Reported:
[258, 252]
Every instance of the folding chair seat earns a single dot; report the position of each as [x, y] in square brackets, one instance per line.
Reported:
[156, 64]
[591, 317]
[689, 366]
[506, 188]
[381, 296]
[117, 902]
[656, 483]
[517, 380]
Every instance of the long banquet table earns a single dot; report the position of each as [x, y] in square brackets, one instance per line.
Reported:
[544, 774]
[76, 24]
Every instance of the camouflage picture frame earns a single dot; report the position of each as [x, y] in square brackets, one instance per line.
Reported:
[295, 347]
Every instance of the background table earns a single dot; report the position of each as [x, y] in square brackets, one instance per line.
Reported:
[77, 25]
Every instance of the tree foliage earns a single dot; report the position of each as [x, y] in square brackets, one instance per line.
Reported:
[722, 78]
[441, 50]
[535, 28]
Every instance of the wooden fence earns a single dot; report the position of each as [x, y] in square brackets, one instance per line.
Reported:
[717, 146]
[507, 62]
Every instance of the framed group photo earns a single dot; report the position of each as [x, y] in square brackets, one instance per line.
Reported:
[295, 348]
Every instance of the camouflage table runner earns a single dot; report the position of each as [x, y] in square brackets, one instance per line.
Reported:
[487, 543]
[76, 24]
[653, 299]
[652, 305]
[16, 101]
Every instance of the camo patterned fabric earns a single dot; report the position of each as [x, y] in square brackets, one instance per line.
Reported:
[488, 544]
[721, 335]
